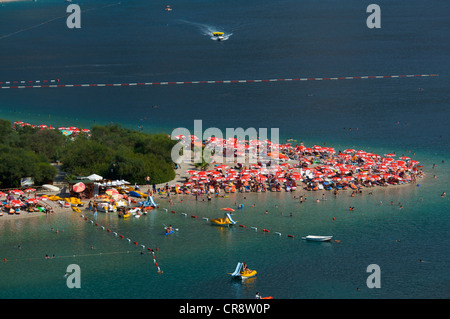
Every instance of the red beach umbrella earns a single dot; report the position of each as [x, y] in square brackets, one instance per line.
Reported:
[262, 177]
[191, 172]
[16, 203]
[2, 194]
[15, 192]
[79, 187]
[31, 201]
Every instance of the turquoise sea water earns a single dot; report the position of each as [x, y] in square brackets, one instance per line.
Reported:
[139, 41]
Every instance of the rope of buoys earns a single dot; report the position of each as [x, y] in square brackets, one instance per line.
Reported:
[68, 256]
[27, 84]
[129, 240]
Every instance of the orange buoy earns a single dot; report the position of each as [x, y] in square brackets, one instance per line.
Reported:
[334, 218]
[292, 236]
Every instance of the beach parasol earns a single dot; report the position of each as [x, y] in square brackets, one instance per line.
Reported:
[15, 192]
[191, 172]
[16, 203]
[79, 187]
[389, 155]
[31, 201]
[30, 190]
[111, 191]
[228, 209]
[2, 194]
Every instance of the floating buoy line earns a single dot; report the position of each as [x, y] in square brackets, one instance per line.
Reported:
[32, 84]
[129, 240]
[243, 227]
[142, 246]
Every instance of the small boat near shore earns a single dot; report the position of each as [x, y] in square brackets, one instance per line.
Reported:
[243, 272]
[227, 221]
[317, 238]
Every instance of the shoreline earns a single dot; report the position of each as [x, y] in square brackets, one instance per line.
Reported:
[182, 176]
[57, 210]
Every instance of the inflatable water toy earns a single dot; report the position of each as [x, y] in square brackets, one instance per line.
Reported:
[227, 220]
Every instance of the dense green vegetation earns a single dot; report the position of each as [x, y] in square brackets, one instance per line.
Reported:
[112, 152]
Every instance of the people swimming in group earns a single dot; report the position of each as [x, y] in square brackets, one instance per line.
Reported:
[169, 229]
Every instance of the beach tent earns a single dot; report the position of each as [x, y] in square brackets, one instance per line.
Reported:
[95, 177]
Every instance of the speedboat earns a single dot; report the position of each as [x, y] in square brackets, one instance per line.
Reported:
[317, 238]
[218, 36]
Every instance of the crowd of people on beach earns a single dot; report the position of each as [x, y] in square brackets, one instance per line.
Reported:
[294, 167]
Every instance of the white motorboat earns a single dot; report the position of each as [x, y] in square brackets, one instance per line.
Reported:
[317, 238]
